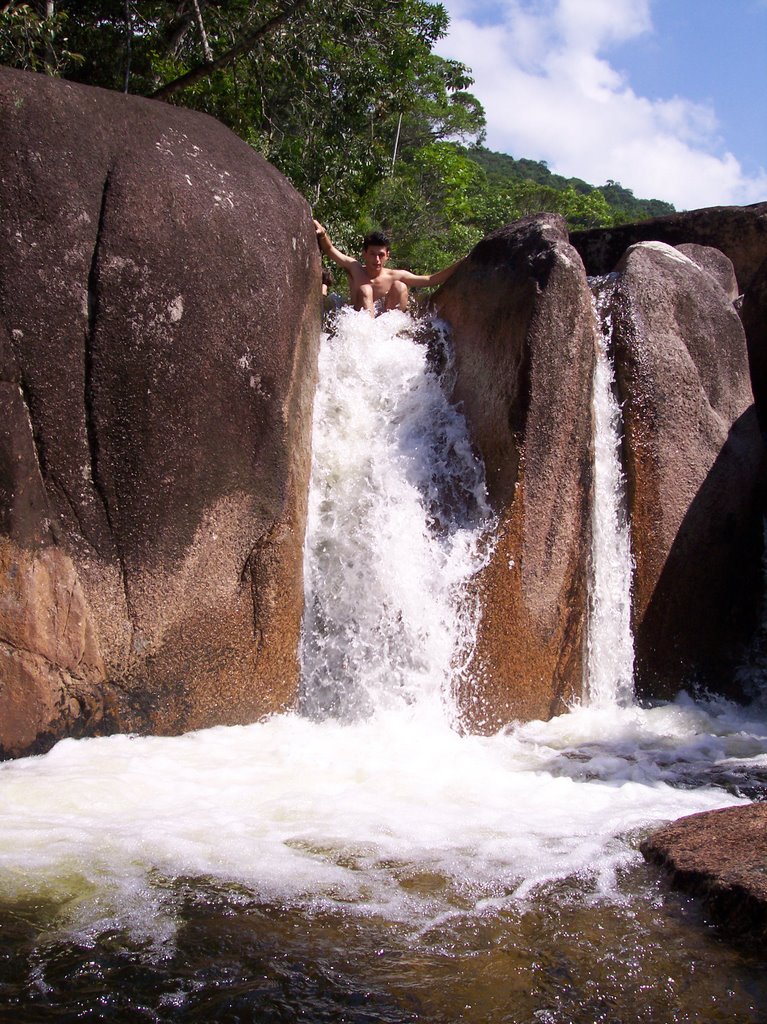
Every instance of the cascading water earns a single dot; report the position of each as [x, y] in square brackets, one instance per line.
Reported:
[362, 860]
[610, 652]
[396, 511]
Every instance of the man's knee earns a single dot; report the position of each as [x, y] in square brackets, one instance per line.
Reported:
[364, 297]
[397, 297]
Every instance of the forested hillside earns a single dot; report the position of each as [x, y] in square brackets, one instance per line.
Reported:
[624, 206]
[347, 99]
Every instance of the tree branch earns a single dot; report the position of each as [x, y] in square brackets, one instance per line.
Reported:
[206, 51]
[245, 44]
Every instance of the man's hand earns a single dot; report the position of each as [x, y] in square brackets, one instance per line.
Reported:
[328, 249]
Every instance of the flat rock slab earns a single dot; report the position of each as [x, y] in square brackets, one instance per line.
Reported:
[720, 856]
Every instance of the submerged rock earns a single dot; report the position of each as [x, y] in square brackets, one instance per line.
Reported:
[160, 297]
[524, 341]
[720, 856]
[694, 460]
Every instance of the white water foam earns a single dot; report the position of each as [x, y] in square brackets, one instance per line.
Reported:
[396, 510]
[387, 809]
[610, 645]
[325, 814]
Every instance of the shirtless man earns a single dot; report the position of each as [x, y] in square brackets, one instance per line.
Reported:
[374, 286]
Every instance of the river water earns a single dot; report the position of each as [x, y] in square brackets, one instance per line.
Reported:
[361, 860]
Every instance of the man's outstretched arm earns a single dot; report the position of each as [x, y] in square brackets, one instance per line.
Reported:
[442, 275]
[329, 250]
[428, 280]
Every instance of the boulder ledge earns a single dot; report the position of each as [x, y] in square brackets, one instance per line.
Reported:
[720, 856]
[740, 232]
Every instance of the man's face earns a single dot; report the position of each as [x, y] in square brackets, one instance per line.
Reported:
[375, 257]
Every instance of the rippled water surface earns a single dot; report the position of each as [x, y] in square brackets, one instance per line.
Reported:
[559, 957]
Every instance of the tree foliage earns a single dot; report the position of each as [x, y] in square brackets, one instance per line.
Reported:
[35, 38]
[627, 208]
[318, 89]
[347, 99]
[622, 205]
[440, 202]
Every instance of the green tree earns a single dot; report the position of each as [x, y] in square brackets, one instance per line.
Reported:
[34, 38]
[524, 198]
[627, 208]
[318, 89]
[441, 108]
[429, 205]
[347, 99]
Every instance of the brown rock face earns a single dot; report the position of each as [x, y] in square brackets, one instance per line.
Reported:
[523, 335]
[694, 459]
[720, 856]
[159, 300]
[740, 232]
[753, 313]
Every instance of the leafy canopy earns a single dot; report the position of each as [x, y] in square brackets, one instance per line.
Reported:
[347, 99]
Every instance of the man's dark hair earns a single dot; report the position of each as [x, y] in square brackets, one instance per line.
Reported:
[375, 238]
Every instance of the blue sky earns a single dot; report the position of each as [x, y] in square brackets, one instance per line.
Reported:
[669, 97]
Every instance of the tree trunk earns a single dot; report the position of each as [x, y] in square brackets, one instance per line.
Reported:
[206, 51]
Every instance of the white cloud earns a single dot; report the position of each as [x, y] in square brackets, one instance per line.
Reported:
[550, 94]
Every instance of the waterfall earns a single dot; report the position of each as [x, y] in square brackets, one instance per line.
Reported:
[363, 859]
[396, 510]
[394, 529]
[610, 646]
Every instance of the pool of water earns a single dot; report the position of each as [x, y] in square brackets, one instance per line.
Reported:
[559, 957]
[386, 870]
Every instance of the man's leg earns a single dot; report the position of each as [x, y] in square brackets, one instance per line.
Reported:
[397, 297]
[364, 299]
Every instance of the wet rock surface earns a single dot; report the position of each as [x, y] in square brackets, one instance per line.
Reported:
[720, 856]
[523, 334]
[694, 464]
[159, 285]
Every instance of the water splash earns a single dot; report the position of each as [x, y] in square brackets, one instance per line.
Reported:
[396, 511]
[383, 811]
[610, 647]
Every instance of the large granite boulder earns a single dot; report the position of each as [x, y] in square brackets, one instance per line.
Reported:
[694, 460]
[740, 232]
[520, 314]
[721, 857]
[159, 287]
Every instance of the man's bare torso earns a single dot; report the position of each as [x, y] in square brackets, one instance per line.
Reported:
[372, 284]
[381, 282]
